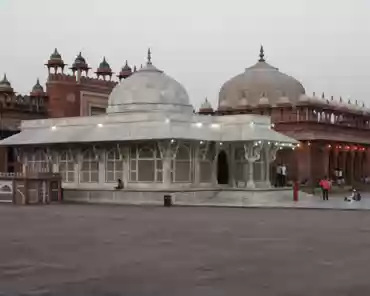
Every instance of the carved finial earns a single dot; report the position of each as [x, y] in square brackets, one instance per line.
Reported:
[332, 98]
[349, 101]
[135, 68]
[314, 94]
[363, 104]
[141, 66]
[149, 61]
[262, 54]
[323, 95]
[341, 99]
[356, 102]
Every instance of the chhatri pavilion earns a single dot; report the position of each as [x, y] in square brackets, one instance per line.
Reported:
[151, 139]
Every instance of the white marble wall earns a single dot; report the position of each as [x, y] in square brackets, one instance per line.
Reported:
[202, 155]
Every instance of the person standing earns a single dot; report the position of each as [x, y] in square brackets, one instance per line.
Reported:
[278, 176]
[283, 175]
[325, 185]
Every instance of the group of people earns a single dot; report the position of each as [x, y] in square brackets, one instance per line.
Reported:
[326, 185]
[281, 175]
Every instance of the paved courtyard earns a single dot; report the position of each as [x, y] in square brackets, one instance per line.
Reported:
[106, 250]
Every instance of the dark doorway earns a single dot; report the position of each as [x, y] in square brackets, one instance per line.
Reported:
[222, 168]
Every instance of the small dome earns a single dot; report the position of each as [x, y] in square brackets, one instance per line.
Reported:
[283, 100]
[5, 85]
[55, 59]
[304, 98]
[224, 105]
[316, 100]
[206, 105]
[243, 102]
[55, 55]
[150, 89]
[104, 68]
[37, 89]
[261, 78]
[80, 63]
[263, 101]
[356, 107]
[126, 71]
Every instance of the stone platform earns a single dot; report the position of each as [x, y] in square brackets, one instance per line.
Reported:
[198, 197]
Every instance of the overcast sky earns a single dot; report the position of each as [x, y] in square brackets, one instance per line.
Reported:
[201, 43]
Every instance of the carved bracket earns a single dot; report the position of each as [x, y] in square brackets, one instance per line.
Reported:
[252, 152]
[204, 151]
[18, 154]
[272, 153]
[168, 149]
[96, 152]
[73, 153]
[121, 153]
[49, 155]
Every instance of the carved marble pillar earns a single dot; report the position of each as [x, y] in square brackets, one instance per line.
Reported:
[252, 153]
[125, 152]
[101, 160]
[168, 150]
[197, 156]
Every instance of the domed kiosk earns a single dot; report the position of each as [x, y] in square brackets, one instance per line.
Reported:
[261, 79]
[153, 142]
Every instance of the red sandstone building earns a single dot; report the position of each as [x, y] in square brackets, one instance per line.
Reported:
[77, 94]
[66, 95]
[333, 134]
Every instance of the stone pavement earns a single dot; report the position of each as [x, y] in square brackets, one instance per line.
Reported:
[79, 250]
[336, 201]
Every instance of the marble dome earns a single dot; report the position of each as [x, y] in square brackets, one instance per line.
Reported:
[261, 79]
[149, 89]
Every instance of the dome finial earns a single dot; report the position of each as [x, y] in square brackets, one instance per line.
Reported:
[262, 54]
[149, 61]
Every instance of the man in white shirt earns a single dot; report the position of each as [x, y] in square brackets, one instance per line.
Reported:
[278, 176]
[283, 175]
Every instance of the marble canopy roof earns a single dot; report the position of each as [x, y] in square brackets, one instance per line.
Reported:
[146, 126]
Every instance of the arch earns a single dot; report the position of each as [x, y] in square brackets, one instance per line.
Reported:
[364, 164]
[332, 164]
[66, 165]
[332, 118]
[222, 168]
[357, 166]
[89, 172]
[113, 165]
[182, 164]
[348, 172]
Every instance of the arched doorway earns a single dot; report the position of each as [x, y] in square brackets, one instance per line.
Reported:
[222, 168]
[332, 164]
[348, 171]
